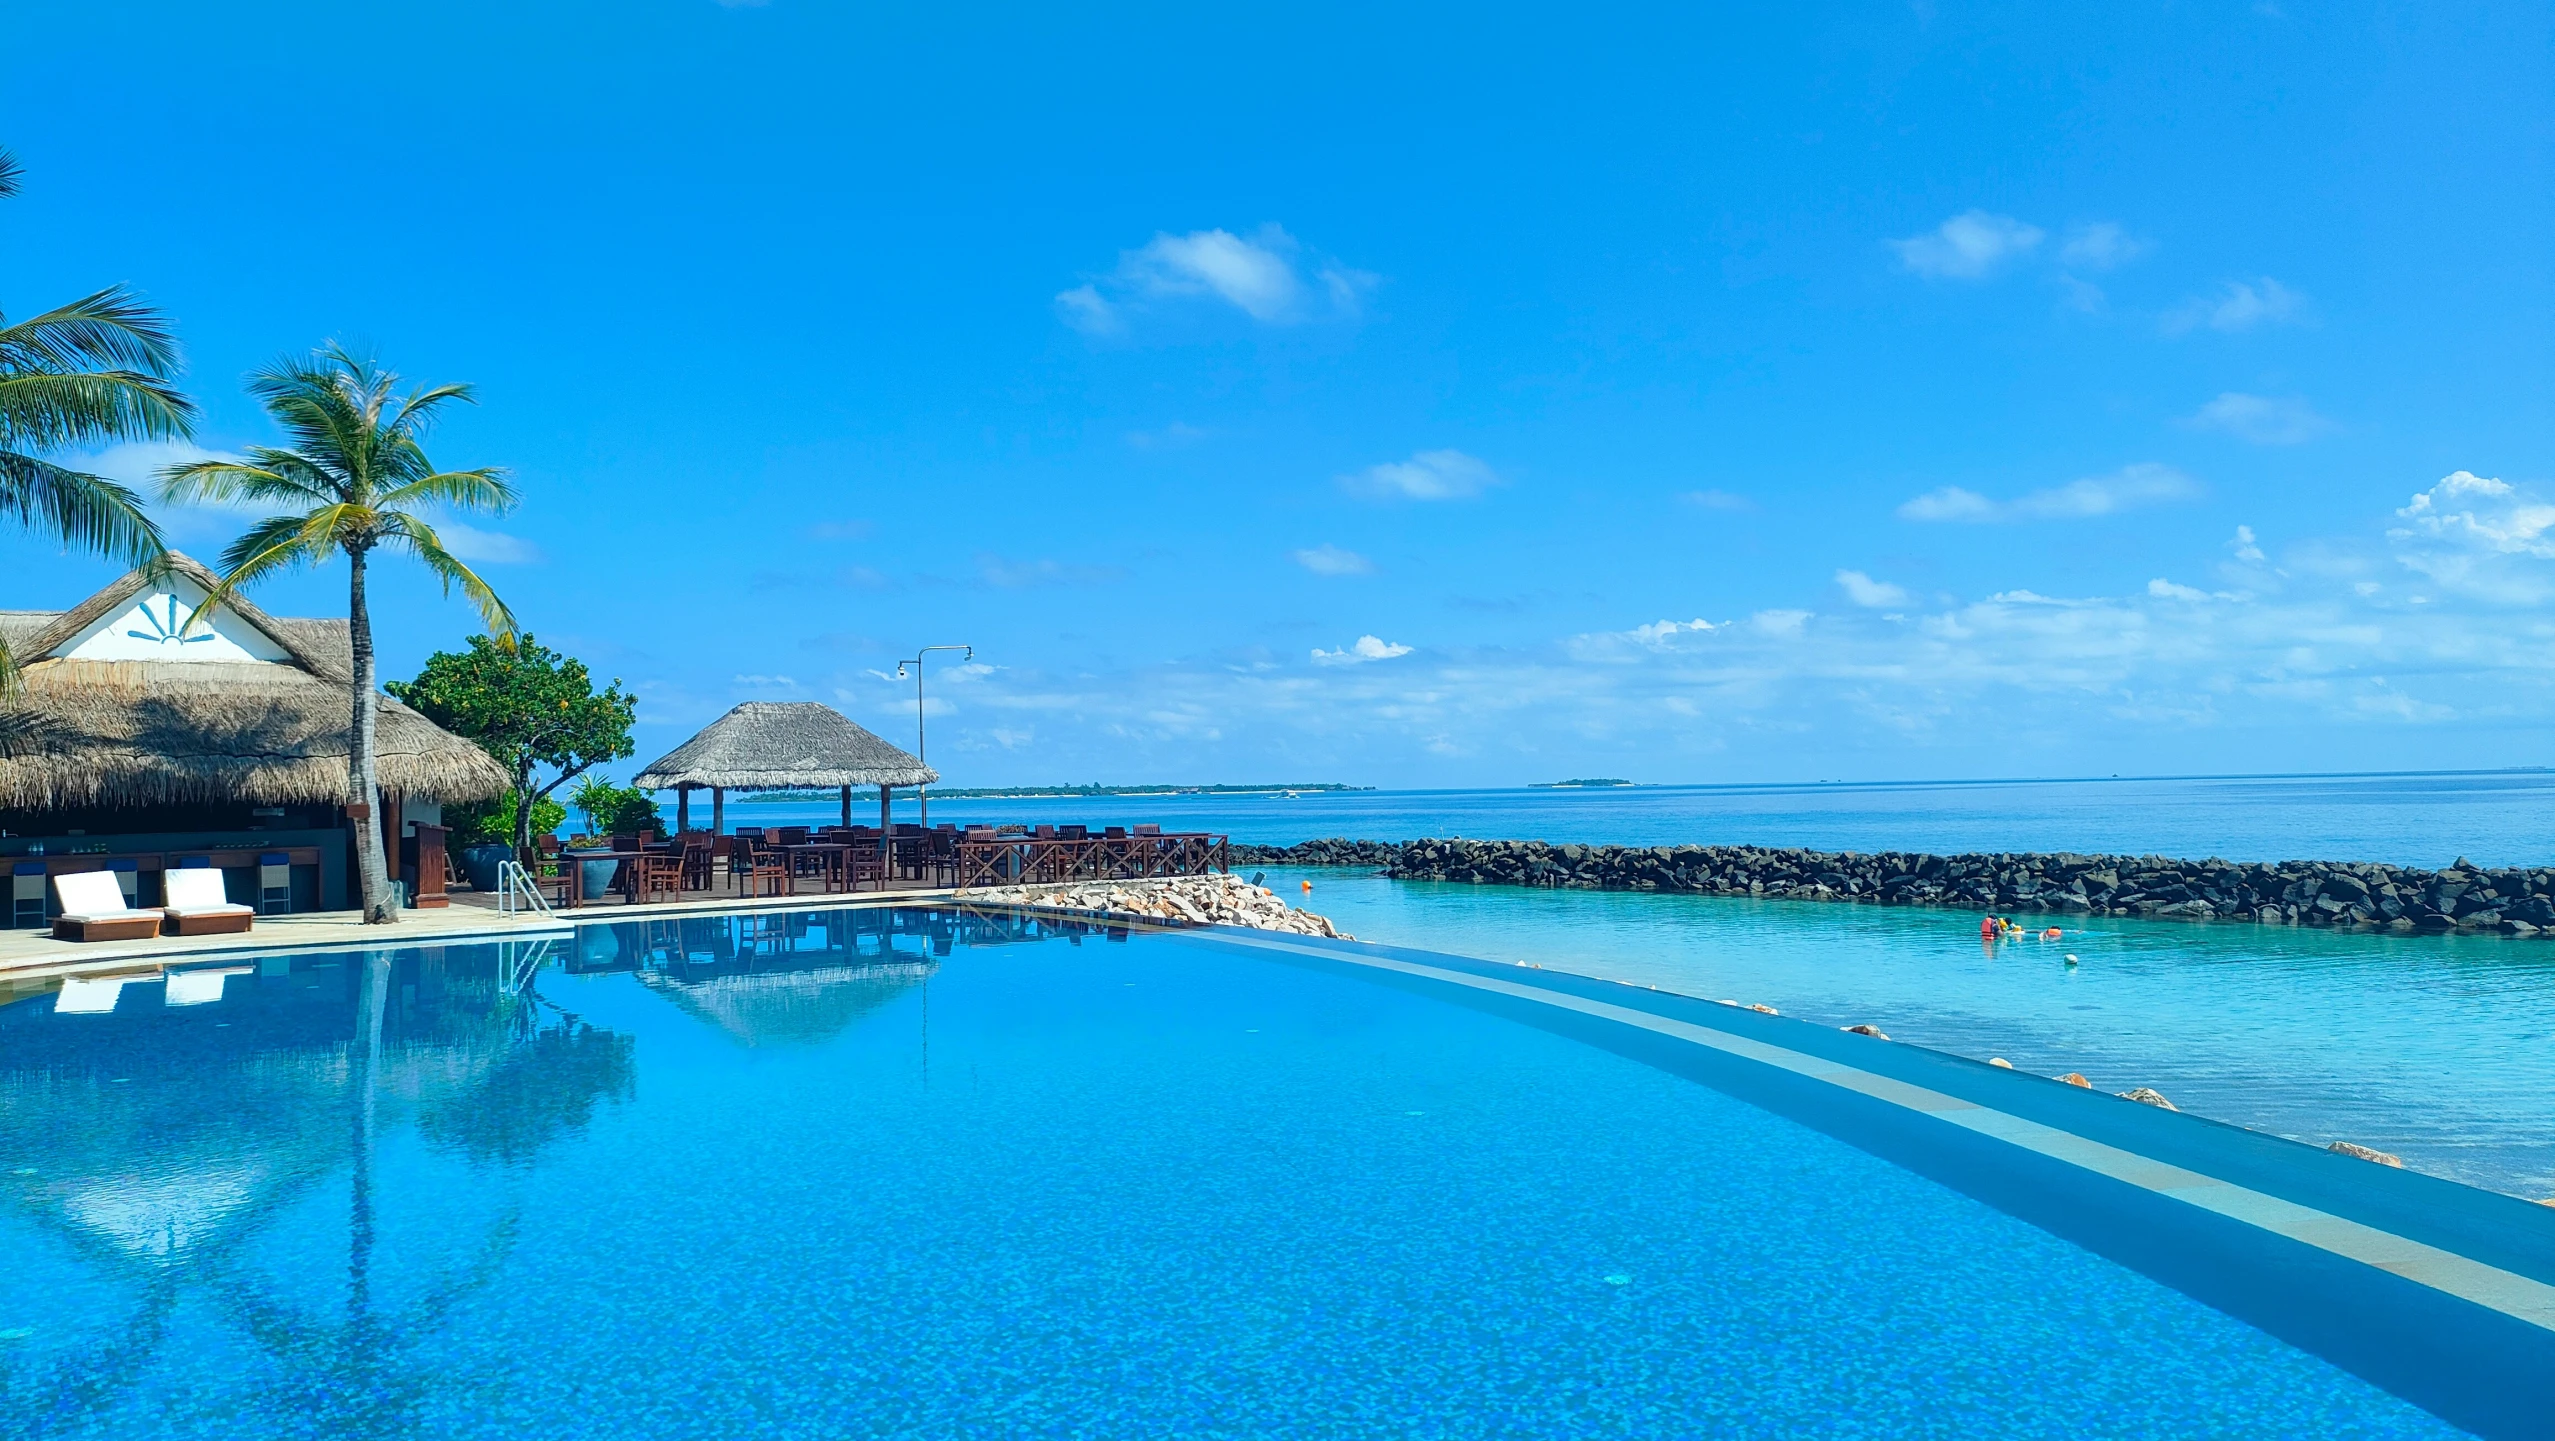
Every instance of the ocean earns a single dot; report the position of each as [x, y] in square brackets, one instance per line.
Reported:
[2493, 818]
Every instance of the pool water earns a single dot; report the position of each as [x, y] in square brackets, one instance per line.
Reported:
[909, 1174]
[2439, 1049]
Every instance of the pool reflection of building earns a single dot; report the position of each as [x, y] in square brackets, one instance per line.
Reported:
[158, 1142]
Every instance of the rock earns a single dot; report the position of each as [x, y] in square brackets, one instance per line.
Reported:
[2000, 1063]
[1873, 1031]
[1181, 900]
[2146, 1096]
[2345, 1148]
[2074, 1079]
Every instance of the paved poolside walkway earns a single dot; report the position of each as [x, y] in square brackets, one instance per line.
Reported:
[32, 955]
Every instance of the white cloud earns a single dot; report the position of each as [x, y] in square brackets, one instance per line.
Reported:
[765, 682]
[1366, 649]
[1717, 500]
[1329, 559]
[487, 547]
[1969, 246]
[2163, 589]
[2244, 545]
[2100, 245]
[1429, 475]
[1258, 275]
[1658, 632]
[1949, 502]
[2241, 305]
[1869, 593]
[2264, 420]
[2127, 488]
[1086, 310]
[2479, 537]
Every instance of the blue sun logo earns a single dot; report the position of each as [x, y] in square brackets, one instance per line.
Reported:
[169, 631]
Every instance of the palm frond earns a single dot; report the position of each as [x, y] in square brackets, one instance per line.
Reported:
[486, 491]
[46, 411]
[420, 538]
[271, 545]
[11, 173]
[12, 685]
[274, 477]
[416, 414]
[77, 509]
[110, 328]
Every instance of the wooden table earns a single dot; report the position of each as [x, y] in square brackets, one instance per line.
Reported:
[837, 856]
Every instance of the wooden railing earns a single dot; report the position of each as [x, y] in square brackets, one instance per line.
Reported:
[1041, 860]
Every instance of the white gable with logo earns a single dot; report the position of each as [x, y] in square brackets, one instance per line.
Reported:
[153, 626]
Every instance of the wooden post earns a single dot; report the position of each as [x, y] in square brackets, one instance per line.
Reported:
[718, 810]
[428, 846]
[886, 840]
[682, 809]
[847, 807]
[390, 837]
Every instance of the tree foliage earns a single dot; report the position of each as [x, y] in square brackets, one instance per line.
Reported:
[531, 708]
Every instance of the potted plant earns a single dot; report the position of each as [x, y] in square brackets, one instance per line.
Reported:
[483, 835]
[607, 809]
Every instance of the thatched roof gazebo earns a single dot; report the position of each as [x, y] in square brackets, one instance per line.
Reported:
[781, 746]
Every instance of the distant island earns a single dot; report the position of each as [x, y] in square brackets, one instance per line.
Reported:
[1031, 793]
[1578, 785]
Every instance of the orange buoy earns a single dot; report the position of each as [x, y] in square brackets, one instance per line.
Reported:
[2053, 933]
[1308, 885]
[1987, 929]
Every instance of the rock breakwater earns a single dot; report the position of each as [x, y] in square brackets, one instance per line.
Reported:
[2367, 895]
[1217, 900]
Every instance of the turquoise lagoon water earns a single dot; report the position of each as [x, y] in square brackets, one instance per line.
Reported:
[2439, 1049]
[874, 1174]
[2493, 818]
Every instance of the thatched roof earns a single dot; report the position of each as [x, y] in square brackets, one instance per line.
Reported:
[784, 746]
[763, 1008]
[112, 733]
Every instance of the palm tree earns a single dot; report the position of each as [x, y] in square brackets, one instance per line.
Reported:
[353, 480]
[90, 373]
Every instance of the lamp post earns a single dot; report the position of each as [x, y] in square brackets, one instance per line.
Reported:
[922, 803]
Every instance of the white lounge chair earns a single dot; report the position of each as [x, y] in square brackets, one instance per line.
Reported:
[200, 987]
[93, 909]
[89, 995]
[197, 905]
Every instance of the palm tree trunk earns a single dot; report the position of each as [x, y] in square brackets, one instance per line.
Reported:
[372, 868]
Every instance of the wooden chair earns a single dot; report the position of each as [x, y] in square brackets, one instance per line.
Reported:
[697, 857]
[660, 877]
[790, 836]
[757, 869]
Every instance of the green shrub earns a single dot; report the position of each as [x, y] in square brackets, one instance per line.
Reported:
[482, 822]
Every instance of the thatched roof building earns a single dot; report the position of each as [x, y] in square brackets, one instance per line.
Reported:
[125, 706]
[778, 746]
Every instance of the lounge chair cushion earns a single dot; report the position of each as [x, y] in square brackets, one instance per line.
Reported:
[198, 892]
[87, 896]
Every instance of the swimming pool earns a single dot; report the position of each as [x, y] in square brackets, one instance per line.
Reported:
[904, 1172]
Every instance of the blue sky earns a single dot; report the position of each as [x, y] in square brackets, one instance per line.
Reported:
[1441, 397]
